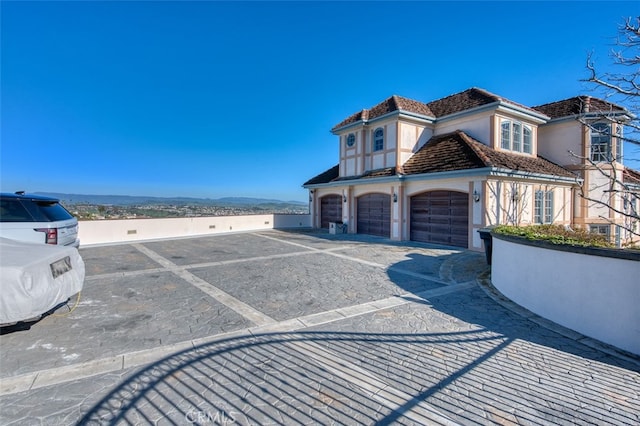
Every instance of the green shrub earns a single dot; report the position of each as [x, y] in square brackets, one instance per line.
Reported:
[556, 234]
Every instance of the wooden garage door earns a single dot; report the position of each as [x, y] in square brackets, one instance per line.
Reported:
[330, 210]
[440, 217]
[374, 215]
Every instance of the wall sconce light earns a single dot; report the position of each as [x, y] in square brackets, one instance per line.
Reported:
[395, 197]
[476, 195]
[514, 195]
[344, 198]
[311, 195]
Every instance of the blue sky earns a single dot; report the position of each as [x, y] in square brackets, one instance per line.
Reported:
[215, 99]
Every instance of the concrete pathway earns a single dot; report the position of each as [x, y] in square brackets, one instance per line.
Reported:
[296, 328]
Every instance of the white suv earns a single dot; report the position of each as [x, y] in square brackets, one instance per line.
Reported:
[37, 219]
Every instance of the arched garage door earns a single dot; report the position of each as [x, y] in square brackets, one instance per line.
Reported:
[374, 215]
[330, 210]
[440, 217]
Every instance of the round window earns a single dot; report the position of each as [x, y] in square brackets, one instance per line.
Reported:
[351, 140]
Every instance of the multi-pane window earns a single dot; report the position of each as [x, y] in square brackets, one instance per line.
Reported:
[516, 136]
[526, 139]
[505, 135]
[600, 142]
[543, 207]
[599, 229]
[378, 139]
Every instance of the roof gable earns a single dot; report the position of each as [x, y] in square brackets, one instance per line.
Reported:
[393, 104]
[578, 105]
[458, 102]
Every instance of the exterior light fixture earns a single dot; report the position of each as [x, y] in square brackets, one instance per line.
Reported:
[310, 195]
[476, 195]
[344, 198]
[395, 197]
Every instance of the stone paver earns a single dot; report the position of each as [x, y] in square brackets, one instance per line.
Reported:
[304, 328]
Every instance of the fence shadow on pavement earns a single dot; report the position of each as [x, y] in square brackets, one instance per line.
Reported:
[301, 378]
[465, 377]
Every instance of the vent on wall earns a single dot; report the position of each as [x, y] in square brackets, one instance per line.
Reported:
[212, 227]
[132, 231]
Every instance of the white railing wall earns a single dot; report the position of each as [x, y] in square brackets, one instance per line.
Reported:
[594, 295]
[94, 232]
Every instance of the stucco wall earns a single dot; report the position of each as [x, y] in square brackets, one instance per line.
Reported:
[476, 126]
[591, 294]
[113, 231]
[557, 139]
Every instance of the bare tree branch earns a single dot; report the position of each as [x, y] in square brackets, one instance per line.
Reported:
[616, 190]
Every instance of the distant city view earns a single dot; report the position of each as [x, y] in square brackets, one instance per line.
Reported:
[103, 207]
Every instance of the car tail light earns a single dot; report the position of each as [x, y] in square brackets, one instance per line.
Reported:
[50, 235]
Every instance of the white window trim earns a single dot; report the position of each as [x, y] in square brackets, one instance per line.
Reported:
[350, 135]
[601, 140]
[510, 130]
[375, 140]
[543, 210]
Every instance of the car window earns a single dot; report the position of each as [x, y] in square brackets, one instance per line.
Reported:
[53, 211]
[13, 211]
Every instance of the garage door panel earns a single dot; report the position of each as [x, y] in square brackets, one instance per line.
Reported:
[440, 217]
[330, 210]
[374, 215]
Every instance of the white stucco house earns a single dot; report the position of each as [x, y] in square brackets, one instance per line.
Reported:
[437, 172]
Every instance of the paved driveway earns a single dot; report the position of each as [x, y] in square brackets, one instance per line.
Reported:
[303, 328]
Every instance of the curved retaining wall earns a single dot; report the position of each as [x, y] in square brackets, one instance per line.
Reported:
[595, 292]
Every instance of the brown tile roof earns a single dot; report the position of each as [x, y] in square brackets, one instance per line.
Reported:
[331, 175]
[458, 102]
[325, 177]
[442, 154]
[394, 103]
[459, 151]
[577, 105]
[389, 171]
[631, 176]
[468, 99]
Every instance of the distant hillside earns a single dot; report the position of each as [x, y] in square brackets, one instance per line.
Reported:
[128, 200]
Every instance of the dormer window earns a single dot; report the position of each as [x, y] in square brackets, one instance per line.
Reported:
[600, 142]
[378, 139]
[351, 140]
[515, 136]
